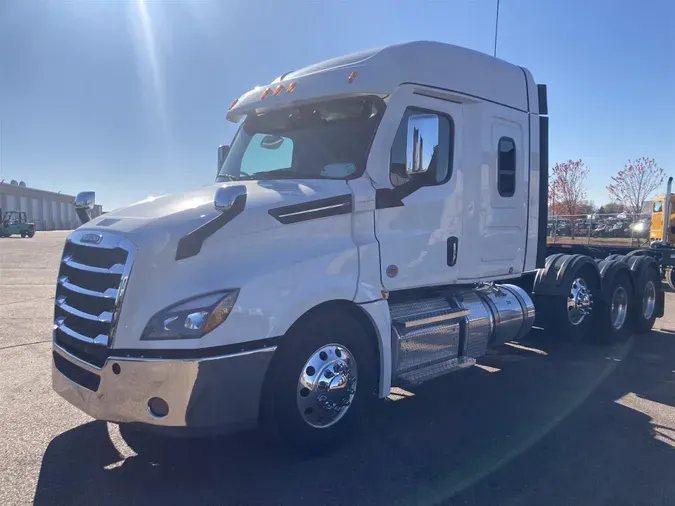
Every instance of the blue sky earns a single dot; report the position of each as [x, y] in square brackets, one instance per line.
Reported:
[131, 101]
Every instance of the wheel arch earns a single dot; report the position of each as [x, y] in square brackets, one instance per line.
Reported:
[611, 268]
[379, 343]
[558, 270]
[638, 264]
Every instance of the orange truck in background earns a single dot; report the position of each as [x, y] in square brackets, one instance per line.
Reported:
[656, 228]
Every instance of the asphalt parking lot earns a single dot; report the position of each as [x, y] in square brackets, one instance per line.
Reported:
[538, 422]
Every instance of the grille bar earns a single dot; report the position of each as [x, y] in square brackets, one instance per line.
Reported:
[110, 293]
[115, 269]
[104, 317]
[100, 339]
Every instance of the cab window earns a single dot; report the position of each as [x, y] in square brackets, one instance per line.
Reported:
[658, 206]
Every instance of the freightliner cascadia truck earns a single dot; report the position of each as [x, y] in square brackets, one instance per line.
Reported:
[378, 220]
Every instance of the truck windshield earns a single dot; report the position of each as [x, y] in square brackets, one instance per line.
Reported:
[326, 140]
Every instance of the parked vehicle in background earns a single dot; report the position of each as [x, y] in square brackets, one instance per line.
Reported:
[379, 220]
[656, 228]
[16, 223]
[598, 229]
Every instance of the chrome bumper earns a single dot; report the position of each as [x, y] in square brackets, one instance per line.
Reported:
[216, 392]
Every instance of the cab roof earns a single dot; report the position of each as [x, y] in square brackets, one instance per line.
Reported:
[380, 71]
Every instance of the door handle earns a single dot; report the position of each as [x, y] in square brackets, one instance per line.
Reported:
[453, 246]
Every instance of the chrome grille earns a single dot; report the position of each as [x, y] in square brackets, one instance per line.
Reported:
[90, 287]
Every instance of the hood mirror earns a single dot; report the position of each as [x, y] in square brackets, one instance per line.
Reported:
[84, 203]
[271, 142]
[222, 154]
[226, 196]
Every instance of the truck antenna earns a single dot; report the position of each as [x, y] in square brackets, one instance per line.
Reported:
[496, 29]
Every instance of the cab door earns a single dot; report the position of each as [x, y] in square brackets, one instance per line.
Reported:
[656, 227]
[418, 217]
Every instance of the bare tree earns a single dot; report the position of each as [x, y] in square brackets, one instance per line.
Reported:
[567, 187]
[633, 185]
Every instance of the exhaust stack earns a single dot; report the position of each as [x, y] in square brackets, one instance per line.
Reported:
[666, 212]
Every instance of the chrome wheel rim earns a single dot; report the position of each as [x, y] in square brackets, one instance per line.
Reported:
[619, 307]
[578, 301]
[326, 386]
[649, 300]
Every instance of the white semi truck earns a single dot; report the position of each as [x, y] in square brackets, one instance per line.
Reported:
[379, 220]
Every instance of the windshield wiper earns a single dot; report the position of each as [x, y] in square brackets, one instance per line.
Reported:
[285, 174]
[230, 177]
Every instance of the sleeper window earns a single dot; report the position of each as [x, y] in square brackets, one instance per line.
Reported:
[506, 167]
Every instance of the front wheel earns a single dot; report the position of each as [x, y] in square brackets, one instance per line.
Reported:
[321, 381]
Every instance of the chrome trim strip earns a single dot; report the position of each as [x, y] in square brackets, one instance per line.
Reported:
[101, 339]
[94, 369]
[110, 293]
[104, 317]
[77, 361]
[314, 210]
[115, 269]
[436, 319]
[204, 359]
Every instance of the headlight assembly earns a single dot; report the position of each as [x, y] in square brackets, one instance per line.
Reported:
[191, 318]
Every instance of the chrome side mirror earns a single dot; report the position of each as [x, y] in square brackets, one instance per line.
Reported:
[226, 196]
[423, 135]
[222, 154]
[84, 203]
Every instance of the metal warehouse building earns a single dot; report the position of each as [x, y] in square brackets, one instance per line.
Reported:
[48, 210]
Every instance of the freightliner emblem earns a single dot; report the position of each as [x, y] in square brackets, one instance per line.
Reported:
[91, 238]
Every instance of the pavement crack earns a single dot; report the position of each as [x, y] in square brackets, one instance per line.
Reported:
[22, 301]
[23, 344]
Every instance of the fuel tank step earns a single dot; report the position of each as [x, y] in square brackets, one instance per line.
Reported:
[418, 376]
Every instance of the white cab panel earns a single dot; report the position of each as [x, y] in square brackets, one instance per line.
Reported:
[414, 236]
[497, 219]
[363, 231]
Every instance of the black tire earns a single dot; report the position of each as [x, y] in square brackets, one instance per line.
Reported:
[281, 416]
[646, 299]
[613, 312]
[30, 234]
[23, 234]
[558, 319]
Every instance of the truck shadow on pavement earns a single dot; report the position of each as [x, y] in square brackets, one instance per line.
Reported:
[539, 422]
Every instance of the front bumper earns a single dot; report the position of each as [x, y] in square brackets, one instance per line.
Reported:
[216, 392]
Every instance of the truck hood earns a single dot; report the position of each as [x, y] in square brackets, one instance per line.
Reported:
[167, 218]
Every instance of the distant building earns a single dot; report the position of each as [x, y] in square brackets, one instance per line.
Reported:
[48, 210]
